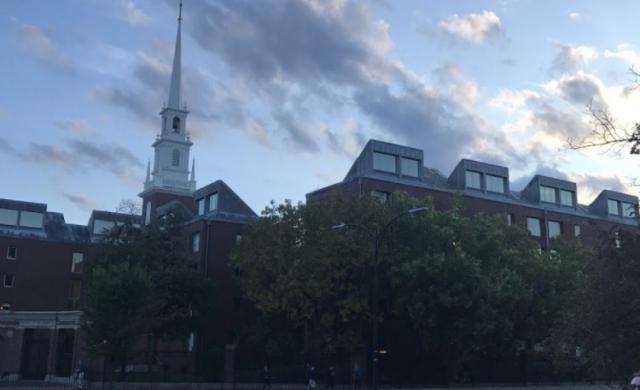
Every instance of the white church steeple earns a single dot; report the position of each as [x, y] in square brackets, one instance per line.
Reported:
[172, 146]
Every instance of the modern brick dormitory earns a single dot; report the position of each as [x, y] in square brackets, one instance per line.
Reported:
[42, 256]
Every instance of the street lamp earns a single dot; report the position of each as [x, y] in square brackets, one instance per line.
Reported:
[376, 235]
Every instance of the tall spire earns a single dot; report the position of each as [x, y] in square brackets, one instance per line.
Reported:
[193, 170]
[174, 90]
[148, 172]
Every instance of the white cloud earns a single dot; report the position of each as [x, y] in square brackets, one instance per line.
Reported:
[132, 14]
[624, 52]
[570, 57]
[575, 16]
[473, 28]
[510, 99]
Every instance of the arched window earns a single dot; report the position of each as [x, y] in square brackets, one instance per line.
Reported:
[175, 161]
[176, 124]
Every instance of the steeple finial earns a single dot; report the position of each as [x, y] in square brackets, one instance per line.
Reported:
[148, 171]
[193, 170]
[174, 90]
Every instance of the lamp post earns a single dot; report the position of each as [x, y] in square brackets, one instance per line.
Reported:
[376, 234]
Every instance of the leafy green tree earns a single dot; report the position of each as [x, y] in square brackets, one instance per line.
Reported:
[114, 315]
[601, 324]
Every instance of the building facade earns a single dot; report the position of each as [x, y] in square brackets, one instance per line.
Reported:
[548, 207]
[42, 259]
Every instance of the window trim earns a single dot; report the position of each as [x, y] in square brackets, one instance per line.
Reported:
[624, 208]
[209, 197]
[617, 202]
[200, 201]
[549, 222]
[195, 237]
[577, 230]
[15, 255]
[571, 194]
[74, 266]
[411, 160]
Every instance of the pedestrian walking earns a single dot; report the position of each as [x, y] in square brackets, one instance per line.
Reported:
[357, 377]
[266, 377]
[635, 381]
[311, 377]
[331, 378]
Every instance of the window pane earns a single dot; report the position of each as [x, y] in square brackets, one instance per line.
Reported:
[495, 184]
[8, 217]
[554, 229]
[509, 219]
[147, 216]
[473, 180]
[613, 207]
[195, 243]
[12, 253]
[213, 202]
[577, 231]
[200, 206]
[410, 167]
[381, 196]
[628, 210]
[30, 219]
[384, 162]
[76, 262]
[8, 280]
[100, 226]
[533, 225]
[547, 194]
[566, 198]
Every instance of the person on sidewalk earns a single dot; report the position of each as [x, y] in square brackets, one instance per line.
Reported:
[357, 377]
[266, 377]
[331, 378]
[311, 377]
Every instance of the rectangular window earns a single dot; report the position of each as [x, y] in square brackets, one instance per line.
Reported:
[547, 194]
[553, 229]
[577, 231]
[381, 196]
[74, 294]
[613, 206]
[76, 262]
[510, 219]
[409, 167]
[473, 180]
[628, 210]
[8, 217]
[533, 226]
[384, 162]
[213, 202]
[12, 253]
[31, 219]
[495, 183]
[200, 206]
[195, 242]
[100, 226]
[238, 238]
[566, 198]
[9, 280]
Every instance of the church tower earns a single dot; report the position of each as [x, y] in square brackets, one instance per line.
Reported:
[168, 178]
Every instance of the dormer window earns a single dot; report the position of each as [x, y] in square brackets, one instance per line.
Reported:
[473, 180]
[175, 160]
[566, 198]
[8, 217]
[613, 206]
[547, 194]
[176, 124]
[628, 210]
[409, 167]
[384, 162]
[495, 183]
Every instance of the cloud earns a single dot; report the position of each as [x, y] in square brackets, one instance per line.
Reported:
[76, 156]
[580, 88]
[511, 100]
[82, 202]
[299, 133]
[42, 45]
[575, 16]
[590, 186]
[75, 126]
[625, 53]
[570, 57]
[132, 14]
[472, 28]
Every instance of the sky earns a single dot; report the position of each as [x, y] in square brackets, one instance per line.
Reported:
[283, 94]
